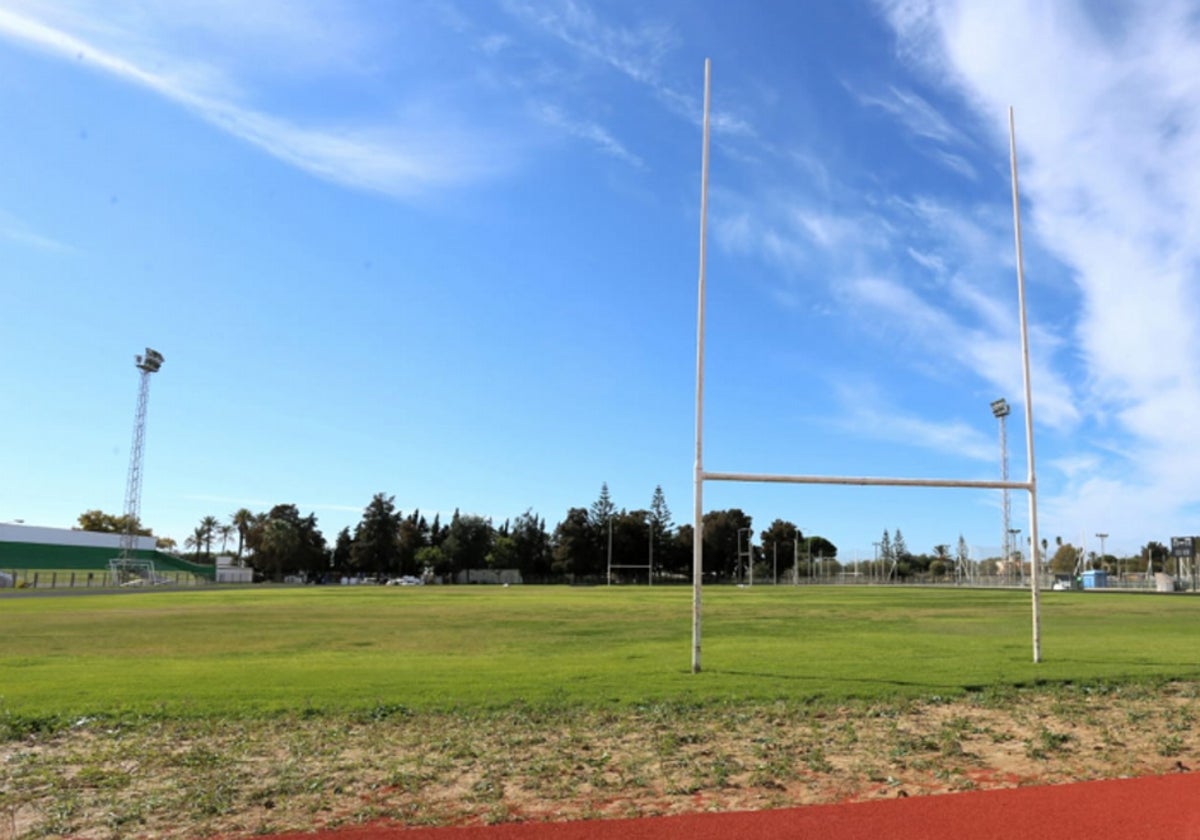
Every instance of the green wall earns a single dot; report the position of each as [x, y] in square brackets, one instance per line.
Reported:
[16, 555]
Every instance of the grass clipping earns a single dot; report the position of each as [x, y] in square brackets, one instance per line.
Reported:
[169, 778]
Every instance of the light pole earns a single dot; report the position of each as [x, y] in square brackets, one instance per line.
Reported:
[749, 551]
[610, 550]
[796, 559]
[1103, 537]
[796, 538]
[1012, 533]
[150, 363]
[875, 564]
[1000, 410]
[650, 575]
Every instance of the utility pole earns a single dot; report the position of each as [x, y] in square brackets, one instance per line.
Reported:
[740, 575]
[610, 550]
[1013, 541]
[147, 364]
[650, 568]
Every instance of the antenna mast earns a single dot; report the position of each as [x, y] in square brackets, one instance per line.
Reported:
[147, 364]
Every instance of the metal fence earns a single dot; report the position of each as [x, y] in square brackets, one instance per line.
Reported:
[83, 579]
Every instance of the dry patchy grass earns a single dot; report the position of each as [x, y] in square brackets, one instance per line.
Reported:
[157, 778]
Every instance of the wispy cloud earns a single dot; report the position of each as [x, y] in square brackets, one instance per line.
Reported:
[259, 505]
[914, 113]
[594, 133]
[991, 351]
[925, 122]
[948, 302]
[866, 412]
[15, 230]
[956, 163]
[1108, 130]
[637, 52]
[399, 159]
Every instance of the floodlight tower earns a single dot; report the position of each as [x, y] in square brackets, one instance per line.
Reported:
[147, 364]
[1000, 410]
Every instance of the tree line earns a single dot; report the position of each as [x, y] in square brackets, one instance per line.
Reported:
[586, 546]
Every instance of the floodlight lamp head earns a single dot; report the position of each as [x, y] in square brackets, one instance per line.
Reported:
[150, 362]
[1001, 408]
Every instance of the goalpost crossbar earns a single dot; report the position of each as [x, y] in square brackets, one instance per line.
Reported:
[865, 481]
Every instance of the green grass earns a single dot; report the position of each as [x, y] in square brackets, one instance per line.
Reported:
[382, 650]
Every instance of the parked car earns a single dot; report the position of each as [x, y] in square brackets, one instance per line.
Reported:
[407, 580]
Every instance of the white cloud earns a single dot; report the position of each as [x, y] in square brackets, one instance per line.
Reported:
[990, 351]
[635, 51]
[1108, 133]
[14, 230]
[957, 163]
[400, 158]
[865, 412]
[267, 36]
[921, 119]
[638, 52]
[956, 313]
[916, 114]
[933, 262]
[594, 133]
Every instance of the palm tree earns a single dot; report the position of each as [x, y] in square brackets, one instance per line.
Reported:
[243, 520]
[208, 527]
[195, 542]
[226, 534]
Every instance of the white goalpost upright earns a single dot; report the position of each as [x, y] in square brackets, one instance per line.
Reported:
[700, 475]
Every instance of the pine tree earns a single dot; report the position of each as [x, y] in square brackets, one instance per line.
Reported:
[660, 514]
[342, 550]
[602, 509]
[376, 544]
[886, 554]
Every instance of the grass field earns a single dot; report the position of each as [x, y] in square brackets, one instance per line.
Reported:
[240, 712]
[236, 652]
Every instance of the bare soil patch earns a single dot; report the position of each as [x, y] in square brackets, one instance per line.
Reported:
[150, 778]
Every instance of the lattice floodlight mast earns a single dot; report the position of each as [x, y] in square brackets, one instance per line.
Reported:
[1000, 410]
[147, 364]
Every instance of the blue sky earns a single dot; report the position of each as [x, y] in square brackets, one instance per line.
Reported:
[448, 251]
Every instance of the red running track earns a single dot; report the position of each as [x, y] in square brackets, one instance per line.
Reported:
[1154, 808]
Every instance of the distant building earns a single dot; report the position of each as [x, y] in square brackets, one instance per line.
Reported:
[228, 570]
[27, 547]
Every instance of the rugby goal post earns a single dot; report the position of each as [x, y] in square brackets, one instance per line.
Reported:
[700, 475]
